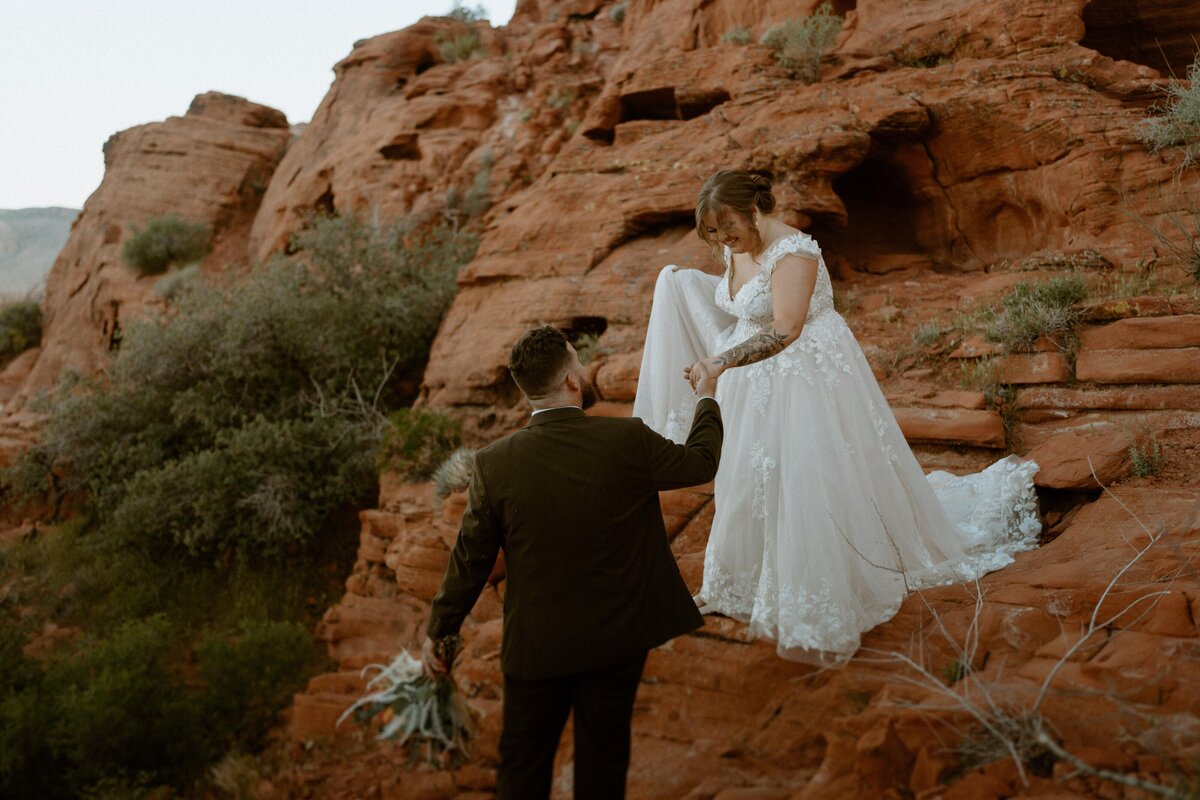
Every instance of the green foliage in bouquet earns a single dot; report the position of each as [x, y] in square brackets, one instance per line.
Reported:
[454, 474]
[20, 329]
[164, 242]
[430, 716]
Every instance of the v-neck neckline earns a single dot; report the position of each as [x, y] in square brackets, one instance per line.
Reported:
[733, 296]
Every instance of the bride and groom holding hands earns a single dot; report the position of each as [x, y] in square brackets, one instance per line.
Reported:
[823, 520]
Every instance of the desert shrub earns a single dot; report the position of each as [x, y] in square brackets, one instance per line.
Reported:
[1031, 310]
[244, 419]
[462, 47]
[177, 282]
[418, 440]
[20, 329]
[250, 675]
[467, 14]
[800, 42]
[166, 241]
[217, 466]
[119, 711]
[1177, 123]
[116, 716]
[738, 35]
[617, 12]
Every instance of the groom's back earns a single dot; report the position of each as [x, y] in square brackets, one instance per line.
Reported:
[590, 574]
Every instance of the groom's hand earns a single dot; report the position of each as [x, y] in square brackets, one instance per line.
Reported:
[434, 666]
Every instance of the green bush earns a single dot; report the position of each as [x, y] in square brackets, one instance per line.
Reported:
[618, 11]
[117, 716]
[467, 14]
[462, 47]
[20, 329]
[738, 35]
[253, 412]
[1178, 120]
[250, 675]
[418, 440]
[1032, 310]
[800, 42]
[118, 710]
[166, 241]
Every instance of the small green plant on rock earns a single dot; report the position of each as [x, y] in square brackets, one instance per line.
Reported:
[1147, 457]
[738, 35]
[462, 47]
[1178, 120]
[1032, 310]
[454, 474]
[800, 42]
[467, 14]
[20, 329]
[166, 241]
[617, 12]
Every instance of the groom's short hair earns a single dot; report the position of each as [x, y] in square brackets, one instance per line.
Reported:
[538, 359]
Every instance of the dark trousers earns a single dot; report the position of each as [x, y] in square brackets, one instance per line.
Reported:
[535, 713]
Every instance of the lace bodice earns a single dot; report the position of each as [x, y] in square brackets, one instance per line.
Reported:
[753, 303]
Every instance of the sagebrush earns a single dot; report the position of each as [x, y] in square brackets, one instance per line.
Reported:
[243, 420]
[1032, 310]
[800, 42]
[164, 242]
[20, 328]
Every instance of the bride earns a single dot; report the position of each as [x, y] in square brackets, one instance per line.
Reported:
[824, 519]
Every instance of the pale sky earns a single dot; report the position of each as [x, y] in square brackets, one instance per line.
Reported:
[73, 72]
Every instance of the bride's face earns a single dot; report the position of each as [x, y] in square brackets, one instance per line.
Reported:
[734, 232]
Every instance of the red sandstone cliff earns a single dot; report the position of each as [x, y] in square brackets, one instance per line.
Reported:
[946, 143]
[209, 166]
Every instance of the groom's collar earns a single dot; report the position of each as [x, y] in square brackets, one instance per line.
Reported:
[554, 415]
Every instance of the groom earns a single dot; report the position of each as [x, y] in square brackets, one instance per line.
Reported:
[591, 582]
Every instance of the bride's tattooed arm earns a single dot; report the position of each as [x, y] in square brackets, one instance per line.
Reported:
[756, 348]
[792, 286]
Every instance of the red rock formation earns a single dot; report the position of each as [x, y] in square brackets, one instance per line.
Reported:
[208, 166]
[732, 720]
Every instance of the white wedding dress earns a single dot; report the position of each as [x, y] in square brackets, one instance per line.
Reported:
[824, 519]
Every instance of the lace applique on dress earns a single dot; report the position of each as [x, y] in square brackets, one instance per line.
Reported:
[762, 465]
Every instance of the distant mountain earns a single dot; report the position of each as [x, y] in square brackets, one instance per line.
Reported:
[30, 239]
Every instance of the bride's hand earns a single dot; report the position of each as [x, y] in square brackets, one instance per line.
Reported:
[709, 368]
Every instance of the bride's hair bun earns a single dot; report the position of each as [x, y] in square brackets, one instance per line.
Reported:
[763, 197]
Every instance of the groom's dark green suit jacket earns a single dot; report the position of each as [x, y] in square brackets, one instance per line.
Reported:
[573, 501]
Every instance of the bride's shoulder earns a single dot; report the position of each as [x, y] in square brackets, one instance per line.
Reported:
[795, 241]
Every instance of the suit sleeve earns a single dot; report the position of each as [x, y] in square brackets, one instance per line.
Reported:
[479, 539]
[674, 466]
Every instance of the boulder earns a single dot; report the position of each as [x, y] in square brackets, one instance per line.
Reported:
[1068, 460]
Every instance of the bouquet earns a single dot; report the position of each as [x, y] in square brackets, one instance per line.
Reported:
[428, 714]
